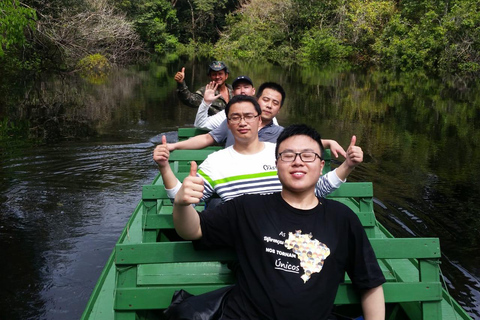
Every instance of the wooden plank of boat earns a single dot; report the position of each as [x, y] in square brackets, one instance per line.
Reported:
[149, 263]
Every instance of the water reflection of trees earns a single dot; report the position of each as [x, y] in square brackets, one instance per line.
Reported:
[421, 142]
[425, 118]
[59, 107]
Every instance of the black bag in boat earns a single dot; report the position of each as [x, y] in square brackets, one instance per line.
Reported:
[207, 306]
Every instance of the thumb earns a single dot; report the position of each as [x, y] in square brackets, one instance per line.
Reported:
[193, 169]
[183, 70]
[164, 140]
[353, 141]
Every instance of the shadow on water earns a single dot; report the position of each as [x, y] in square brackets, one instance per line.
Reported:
[63, 204]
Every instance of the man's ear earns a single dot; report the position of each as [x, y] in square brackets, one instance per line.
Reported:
[322, 164]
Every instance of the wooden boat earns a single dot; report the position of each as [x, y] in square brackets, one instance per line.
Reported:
[149, 264]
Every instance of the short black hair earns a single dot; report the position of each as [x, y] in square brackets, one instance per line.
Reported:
[273, 86]
[242, 98]
[297, 130]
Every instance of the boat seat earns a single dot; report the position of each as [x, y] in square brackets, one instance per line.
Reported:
[163, 267]
[158, 266]
[150, 262]
[186, 133]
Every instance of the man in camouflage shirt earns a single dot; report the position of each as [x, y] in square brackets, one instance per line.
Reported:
[218, 72]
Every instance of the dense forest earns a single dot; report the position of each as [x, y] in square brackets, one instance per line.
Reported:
[438, 36]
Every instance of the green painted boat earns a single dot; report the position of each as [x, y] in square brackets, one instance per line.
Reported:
[148, 263]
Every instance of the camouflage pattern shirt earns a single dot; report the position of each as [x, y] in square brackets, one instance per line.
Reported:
[193, 100]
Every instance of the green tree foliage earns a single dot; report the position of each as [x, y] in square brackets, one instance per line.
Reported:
[201, 20]
[155, 20]
[363, 22]
[408, 47]
[321, 46]
[462, 50]
[434, 35]
[259, 30]
[14, 20]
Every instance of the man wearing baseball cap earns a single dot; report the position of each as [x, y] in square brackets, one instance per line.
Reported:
[242, 85]
[218, 73]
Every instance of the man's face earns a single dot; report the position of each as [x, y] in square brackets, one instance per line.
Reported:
[270, 101]
[243, 88]
[244, 129]
[218, 76]
[299, 176]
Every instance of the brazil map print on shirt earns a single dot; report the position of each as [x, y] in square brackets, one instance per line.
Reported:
[310, 252]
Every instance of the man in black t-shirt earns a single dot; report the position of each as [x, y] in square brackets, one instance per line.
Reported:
[293, 248]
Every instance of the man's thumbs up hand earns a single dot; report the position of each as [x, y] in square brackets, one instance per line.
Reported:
[354, 153]
[192, 188]
[180, 76]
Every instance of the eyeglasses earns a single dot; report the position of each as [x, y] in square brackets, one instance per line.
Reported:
[307, 156]
[237, 118]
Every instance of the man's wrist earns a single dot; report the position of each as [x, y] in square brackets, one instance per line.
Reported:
[207, 103]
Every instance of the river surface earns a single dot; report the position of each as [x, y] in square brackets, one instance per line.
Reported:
[64, 203]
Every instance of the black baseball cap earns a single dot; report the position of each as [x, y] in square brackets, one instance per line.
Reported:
[242, 79]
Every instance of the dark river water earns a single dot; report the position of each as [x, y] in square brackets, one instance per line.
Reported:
[64, 203]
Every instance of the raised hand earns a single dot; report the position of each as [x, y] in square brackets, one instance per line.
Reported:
[209, 95]
[161, 153]
[354, 153]
[180, 76]
[192, 188]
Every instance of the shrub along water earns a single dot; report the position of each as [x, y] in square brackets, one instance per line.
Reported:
[437, 36]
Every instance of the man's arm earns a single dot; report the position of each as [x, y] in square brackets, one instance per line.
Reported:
[334, 179]
[198, 142]
[216, 120]
[202, 120]
[160, 156]
[188, 98]
[202, 115]
[185, 217]
[354, 156]
[373, 304]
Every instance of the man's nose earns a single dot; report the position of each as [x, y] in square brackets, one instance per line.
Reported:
[297, 160]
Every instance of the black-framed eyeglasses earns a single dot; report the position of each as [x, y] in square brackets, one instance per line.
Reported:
[238, 118]
[306, 156]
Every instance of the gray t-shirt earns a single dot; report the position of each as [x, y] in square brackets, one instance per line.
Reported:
[222, 134]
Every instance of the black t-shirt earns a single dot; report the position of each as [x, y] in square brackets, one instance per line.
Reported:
[292, 260]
